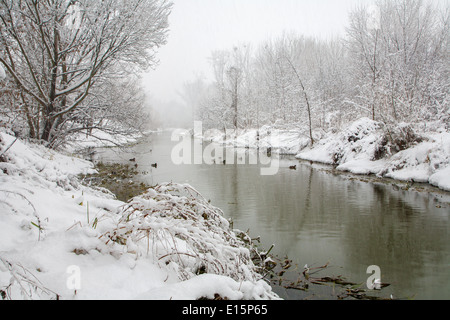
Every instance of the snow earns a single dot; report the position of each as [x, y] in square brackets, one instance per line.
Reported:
[2, 73]
[60, 239]
[362, 166]
[355, 150]
[441, 179]
[287, 142]
[361, 148]
[97, 139]
[168, 243]
[353, 146]
[207, 285]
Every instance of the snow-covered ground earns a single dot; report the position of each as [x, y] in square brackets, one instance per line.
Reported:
[97, 139]
[288, 142]
[361, 148]
[60, 239]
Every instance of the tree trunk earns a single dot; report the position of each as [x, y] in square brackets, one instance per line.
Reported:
[308, 106]
[234, 106]
[48, 128]
[49, 120]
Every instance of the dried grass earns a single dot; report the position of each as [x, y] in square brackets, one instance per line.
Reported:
[182, 231]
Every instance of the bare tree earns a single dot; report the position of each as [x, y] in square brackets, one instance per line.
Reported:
[231, 74]
[305, 95]
[58, 51]
[364, 45]
[392, 66]
[277, 77]
[399, 51]
[234, 76]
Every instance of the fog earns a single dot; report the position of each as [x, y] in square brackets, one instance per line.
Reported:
[197, 27]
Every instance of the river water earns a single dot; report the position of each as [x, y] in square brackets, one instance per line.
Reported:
[315, 216]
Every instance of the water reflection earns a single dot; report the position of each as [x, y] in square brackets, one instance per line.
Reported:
[314, 217]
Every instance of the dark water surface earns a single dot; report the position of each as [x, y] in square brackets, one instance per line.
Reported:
[314, 216]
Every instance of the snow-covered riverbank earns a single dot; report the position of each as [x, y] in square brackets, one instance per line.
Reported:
[364, 147]
[62, 240]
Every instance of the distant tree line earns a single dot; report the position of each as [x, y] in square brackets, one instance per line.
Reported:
[392, 66]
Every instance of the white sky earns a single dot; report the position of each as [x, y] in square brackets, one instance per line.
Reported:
[197, 27]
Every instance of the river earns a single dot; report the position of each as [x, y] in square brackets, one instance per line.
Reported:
[315, 216]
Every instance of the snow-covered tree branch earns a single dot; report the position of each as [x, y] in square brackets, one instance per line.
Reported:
[56, 53]
[391, 66]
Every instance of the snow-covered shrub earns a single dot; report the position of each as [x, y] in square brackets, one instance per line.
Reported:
[176, 226]
[427, 161]
[401, 137]
[23, 280]
[142, 249]
[363, 138]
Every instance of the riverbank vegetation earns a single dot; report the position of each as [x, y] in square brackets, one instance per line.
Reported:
[362, 148]
[383, 87]
[392, 67]
[375, 102]
[168, 242]
[118, 178]
[68, 70]
[62, 239]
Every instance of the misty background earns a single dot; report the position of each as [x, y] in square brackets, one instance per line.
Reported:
[197, 27]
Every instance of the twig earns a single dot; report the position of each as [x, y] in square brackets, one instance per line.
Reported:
[6, 150]
[178, 253]
[34, 209]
